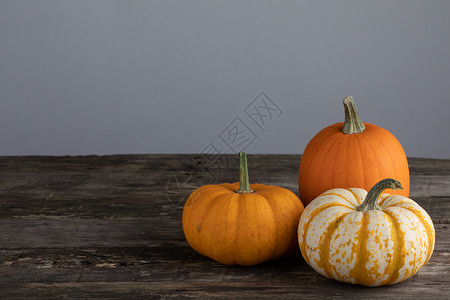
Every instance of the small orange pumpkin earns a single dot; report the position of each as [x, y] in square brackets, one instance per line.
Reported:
[351, 154]
[242, 224]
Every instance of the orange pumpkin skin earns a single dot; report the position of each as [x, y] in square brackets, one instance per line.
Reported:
[242, 229]
[334, 159]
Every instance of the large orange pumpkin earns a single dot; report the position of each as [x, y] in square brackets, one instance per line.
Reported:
[242, 224]
[349, 154]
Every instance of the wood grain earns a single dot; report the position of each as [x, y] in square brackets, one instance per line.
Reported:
[110, 227]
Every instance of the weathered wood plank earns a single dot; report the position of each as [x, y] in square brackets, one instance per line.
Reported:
[42, 233]
[119, 173]
[60, 233]
[180, 162]
[171, 269]
[138, 186]
[236, 290]
[139, 206]
[429, 186]
[67, 249]
[133, 206]
[272, 282]
[428, 166]
[110, 227]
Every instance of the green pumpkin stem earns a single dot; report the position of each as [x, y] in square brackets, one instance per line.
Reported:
[371, 200]
[244, 185]
[352, 123]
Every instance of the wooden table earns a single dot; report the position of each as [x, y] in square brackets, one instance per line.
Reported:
[110, 227]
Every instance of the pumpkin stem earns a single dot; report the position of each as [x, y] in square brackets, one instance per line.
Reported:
[353, 123]
[244, 185]
[371, 200]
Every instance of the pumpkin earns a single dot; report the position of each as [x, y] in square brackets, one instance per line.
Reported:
[242, 224]
[351, 154]
[366, 238]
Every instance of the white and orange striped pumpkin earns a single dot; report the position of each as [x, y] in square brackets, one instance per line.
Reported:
[364, 238]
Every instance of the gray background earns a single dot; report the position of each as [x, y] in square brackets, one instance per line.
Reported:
[104, 77]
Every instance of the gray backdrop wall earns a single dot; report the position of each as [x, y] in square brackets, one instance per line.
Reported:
[104, 77]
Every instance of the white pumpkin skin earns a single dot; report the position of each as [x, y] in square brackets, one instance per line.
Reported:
[371, 248]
